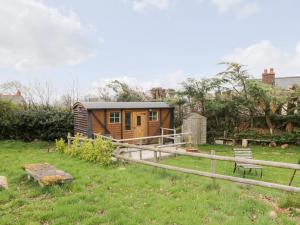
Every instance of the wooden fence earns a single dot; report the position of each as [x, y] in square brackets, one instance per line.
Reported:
[213, 157]
[176, 138]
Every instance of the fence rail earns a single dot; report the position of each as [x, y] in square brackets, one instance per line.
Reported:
[214, 175]
[213, 157]
[159, 137]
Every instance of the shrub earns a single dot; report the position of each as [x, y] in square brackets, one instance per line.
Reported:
[98, 150]
[87, 151]
[60, 145]
[75, 149]
[34, 122]
[8, 119]
[103, 150]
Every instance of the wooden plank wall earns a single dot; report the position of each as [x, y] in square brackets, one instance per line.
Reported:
[115, 129]
[80, 120]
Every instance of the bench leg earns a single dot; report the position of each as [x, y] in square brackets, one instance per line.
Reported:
[244, 173]
[260, 173]
[234, 168]
[250, 170]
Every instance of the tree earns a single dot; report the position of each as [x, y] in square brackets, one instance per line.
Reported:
[197, 92]
[124, 93]
[266, 98]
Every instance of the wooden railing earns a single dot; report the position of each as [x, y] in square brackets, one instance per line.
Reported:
[213, 157]
[174, 137]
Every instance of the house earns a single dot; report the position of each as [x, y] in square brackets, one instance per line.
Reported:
[268, 77]
[122, 120]
[16, 98]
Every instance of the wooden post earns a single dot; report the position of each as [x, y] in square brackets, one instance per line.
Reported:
[69, 140]
[213, 165]
[155, 156]
[130, 154]
[162, 136]
[141, 154]
[190, 139]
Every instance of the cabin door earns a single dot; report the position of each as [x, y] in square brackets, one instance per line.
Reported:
[140, 124]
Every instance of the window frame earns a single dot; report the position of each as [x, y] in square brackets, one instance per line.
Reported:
[151, 115]
[130, 121]
[114, 117]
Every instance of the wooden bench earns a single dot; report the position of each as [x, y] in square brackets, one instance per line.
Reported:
[46, 174]
[245, 153]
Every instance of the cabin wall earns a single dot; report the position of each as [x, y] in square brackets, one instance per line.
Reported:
[96, 116]
[153, 127]
[80, 121]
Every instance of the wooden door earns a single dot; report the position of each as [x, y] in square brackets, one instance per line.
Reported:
[140, 124]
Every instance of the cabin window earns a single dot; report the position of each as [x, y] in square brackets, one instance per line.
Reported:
[115, 117]
[153, 116]
[127, 120]
[138, 120]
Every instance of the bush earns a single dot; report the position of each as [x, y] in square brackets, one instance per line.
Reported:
[60, 145]
[279, 139]
[98, 150]
[30, 123]
[8, 119]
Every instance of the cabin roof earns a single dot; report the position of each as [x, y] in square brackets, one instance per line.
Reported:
[123, 105]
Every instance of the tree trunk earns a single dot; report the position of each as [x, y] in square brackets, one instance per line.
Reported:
[289, 127]
[269, 123]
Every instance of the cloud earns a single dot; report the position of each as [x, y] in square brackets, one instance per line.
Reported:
[141, 5]
[35, 36]
[242, 8]
[265, 55]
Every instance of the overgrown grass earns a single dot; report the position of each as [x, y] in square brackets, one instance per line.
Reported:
[136, 194]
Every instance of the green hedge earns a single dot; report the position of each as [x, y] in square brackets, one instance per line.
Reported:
[42, 123]
[293, 138]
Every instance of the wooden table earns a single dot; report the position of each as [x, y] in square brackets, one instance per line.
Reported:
[46, 174]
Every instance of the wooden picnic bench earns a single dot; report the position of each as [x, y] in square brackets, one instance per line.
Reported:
[245, 153]
[46, 174]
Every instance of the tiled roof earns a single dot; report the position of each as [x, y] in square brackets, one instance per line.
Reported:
[287, 82]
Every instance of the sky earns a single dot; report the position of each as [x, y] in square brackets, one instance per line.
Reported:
[145, 43]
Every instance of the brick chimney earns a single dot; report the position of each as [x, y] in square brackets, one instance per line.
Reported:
[268, 77]
[18, 93]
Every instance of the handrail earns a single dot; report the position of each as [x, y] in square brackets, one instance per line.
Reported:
[144, 138]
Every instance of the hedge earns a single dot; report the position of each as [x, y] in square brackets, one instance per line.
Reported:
[31, 123]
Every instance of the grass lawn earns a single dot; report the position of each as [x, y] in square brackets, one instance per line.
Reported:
[136, 194]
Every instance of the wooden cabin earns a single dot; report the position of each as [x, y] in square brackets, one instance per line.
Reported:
[122, 120]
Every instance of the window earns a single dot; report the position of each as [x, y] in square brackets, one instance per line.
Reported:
[138, 120]
[115, 117]
[153, 116]
[127, 120]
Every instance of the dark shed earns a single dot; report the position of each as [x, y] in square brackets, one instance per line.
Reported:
[122, 120]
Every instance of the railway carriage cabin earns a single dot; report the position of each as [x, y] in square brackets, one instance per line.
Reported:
[122, 120]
